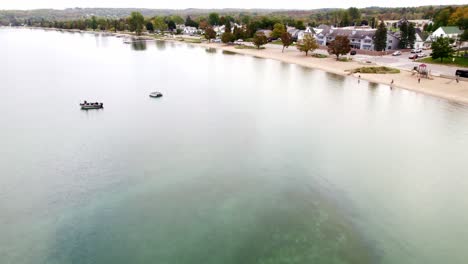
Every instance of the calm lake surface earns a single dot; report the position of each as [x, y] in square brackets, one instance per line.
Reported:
[244, 160]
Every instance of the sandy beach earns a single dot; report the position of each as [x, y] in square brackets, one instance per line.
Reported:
[439, 87]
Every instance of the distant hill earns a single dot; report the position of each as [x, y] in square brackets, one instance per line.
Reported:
[7, 16]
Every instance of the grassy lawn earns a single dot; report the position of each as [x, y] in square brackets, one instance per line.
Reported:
[320, 56]
[247, 47]
[459, 61]
[379, 70]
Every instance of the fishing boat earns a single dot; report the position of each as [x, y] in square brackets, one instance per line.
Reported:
[88, 106]
[155, 94]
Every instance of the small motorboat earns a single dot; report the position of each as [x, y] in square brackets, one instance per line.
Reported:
[88, 106]
[155, 94]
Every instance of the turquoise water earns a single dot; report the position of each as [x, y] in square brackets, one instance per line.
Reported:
[244, 160]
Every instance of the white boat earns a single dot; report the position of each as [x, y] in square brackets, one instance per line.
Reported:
[155, 94]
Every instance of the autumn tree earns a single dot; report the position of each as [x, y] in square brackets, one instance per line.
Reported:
[339, 46]
[210, 34]
[286, 39]
[380, 38]
[307, 44]
[227, 37]
[260, 39]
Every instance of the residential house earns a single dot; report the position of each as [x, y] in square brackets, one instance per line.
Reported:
[267, 32]
[446, 32]
[190, 30]
[219, 29]
[359, 37]
[419, 40]
[294, 32]
[307, 31]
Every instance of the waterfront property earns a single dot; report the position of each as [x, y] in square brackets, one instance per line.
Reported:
[445, 32]
[360, 37]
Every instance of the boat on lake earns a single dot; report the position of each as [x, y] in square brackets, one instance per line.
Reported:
[88, 106]
[155, 94]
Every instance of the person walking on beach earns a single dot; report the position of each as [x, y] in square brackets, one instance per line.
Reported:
[359, 79]
[456, 79]
[419, 79]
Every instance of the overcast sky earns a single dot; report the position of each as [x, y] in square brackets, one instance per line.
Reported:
[181, 4]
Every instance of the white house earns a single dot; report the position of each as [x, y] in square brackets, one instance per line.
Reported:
[219, 29]
[446, 32]
[419, 40]
[190, 30]
[307, 31]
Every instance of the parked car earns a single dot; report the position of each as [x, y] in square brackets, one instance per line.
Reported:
[396, 53]
[416, 50]
[413, 56]
[353, 52]
[422, 55]
[462, 73]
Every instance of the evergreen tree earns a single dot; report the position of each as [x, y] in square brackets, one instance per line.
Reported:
[380, 37]
[403, 36]
[411, 35]
[227, 26]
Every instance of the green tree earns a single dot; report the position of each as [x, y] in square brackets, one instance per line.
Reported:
[339, 46]
[278, 30]
[287, 40]
[213, 19]
[354, 14]
[150, 26]
[441, 49]
[159, 24]
[380, 37]
[135, 22]
[411, 35]
[464, 36]
[227, 37]
[189, 22]
[210, 34]
[403, 44]
[239, 33]
[227, 26]
[308, 44]
[300, 25]
[260, 39]
[171, 25]
[94, 23]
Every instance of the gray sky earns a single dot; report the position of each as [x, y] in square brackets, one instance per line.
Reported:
[181, 4]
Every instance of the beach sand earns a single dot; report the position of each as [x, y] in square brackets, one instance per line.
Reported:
[439, 87]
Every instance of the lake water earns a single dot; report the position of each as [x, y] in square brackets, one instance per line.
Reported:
[244, 160]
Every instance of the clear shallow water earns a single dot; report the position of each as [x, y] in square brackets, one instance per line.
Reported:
[243, 160]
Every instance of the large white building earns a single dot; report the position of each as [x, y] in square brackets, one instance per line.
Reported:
[446, 32]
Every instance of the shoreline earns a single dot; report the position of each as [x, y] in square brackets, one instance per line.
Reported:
[439, 87]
